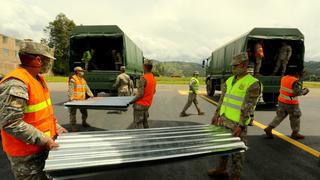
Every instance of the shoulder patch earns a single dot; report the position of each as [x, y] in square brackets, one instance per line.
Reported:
[17, 88]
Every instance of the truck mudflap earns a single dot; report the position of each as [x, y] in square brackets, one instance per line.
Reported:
[103, 103]
[84, 153]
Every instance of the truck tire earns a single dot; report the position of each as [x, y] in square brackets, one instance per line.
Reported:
[270, 98]
[210, 87]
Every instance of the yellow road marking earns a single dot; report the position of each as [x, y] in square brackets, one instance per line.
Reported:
[280, 135]
[184, 92]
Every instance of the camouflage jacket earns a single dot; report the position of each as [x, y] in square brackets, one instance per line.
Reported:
[123, 83]
[13, 99]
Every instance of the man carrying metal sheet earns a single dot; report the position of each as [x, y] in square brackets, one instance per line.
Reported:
[144, 97]
[235, 109]
[77, 90]
[193, 92]
[28, 125]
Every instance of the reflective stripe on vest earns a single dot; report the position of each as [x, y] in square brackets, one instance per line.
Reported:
[149, 90]
[286, 92]
[234, 97]
[79, 91]
[38, 113]
[196, 85]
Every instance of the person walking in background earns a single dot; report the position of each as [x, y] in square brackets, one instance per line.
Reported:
[290, 89]
[193, 92]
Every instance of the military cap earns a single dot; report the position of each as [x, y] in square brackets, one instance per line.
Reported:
[240, 58]
[196, 72]
[147, 62]
[122, 67]
[78, 68]
[29, 47]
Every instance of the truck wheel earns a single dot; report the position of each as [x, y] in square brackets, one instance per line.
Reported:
[210, 88]
[270, 98]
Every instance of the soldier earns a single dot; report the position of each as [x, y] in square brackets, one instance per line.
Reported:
[86, 58]
[117, 59]
[28, 125]
[283, 58]
[77, 90]
[144, 97]
[259, 56]
[290, 89]
[123, 83]
[239, 97]
[193, 92]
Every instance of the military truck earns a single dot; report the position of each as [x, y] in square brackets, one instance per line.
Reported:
[218, 67]
[109, 42]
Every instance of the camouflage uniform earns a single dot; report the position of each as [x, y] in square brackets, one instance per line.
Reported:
[123, 84]
[140, 112]
[13, 99]
[250, 101]
[292, 110]
[73, 110]
[192, 98]
[259, 56]
[283, 58]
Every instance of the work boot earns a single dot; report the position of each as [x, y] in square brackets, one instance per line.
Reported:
[85, 124]
[296, 135]
[234, 177]
[200, 113]
[183, 114]
[268, 131]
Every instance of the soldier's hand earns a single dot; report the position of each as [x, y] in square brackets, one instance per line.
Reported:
[61, 130]
[237, 131]
[51, 144]
[216, 120]
[305, 91]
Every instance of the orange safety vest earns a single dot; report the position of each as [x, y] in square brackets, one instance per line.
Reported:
[286, 91]
[79, 92]
[149, 90]
[259, 51]
[38, 113]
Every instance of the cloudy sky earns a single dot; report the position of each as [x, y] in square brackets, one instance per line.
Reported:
[184, 30]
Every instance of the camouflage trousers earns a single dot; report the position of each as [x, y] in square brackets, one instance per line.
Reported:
[29, 167]
[258, 65]
[234, 161]
[192, 98]
[140, 116]
[283, 111]
[123, 93]
[280, 62]
[73, 115]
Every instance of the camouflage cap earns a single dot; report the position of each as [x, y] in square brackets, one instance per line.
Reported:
[240, 58]
[78, 68]
[122, 67]
[147, 62]
[30, 47]
[196, 72]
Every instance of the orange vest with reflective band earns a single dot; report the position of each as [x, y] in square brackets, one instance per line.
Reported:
[149, 90]
[259, 51]
[38, 113]
[286, 91]
[79, 92]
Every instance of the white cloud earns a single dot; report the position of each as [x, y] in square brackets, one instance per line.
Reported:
[169, 29]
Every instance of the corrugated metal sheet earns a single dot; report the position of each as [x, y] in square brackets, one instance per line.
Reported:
[107, 103]
[88, 152]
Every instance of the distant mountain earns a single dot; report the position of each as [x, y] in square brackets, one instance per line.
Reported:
[312, 67]
[177, 68]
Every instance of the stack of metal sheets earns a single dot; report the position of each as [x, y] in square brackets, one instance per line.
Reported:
[106, 103]
[88, 152]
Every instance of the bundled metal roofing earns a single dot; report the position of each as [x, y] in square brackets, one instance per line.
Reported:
[87, 152]
[107, 103]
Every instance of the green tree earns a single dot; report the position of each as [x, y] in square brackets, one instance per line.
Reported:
[59, 32]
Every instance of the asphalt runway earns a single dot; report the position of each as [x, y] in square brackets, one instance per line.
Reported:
[266, 158]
